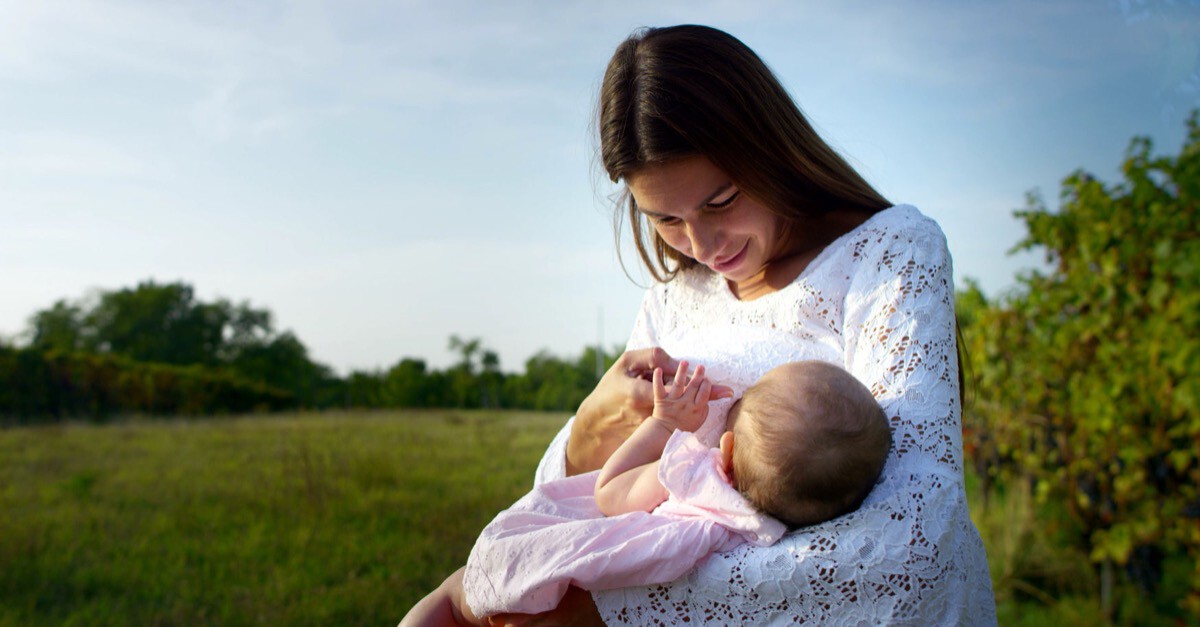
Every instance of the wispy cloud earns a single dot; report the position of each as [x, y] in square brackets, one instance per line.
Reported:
[277, 66]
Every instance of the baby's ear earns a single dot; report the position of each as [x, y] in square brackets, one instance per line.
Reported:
[727, 452]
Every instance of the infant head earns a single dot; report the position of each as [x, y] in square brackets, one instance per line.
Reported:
[808, 442]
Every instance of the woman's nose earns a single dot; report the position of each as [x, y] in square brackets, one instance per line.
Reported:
[703, 242]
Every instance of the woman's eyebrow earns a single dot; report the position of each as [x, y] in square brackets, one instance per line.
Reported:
[707, 201]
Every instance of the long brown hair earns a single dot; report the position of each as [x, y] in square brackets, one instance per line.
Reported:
[694, 90]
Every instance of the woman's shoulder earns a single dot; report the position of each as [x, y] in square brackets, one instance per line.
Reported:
[898, 232]
[897, 221]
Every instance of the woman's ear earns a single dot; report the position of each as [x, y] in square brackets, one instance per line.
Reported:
[727, 452]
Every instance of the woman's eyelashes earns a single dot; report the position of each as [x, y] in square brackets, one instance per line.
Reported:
[724, 204]
[717, 205]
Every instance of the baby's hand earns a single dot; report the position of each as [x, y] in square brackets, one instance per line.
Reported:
[685, 405]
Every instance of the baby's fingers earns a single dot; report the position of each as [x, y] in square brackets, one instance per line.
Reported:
[703, 394]
[681, 377]
[660, 391]
[692, 392]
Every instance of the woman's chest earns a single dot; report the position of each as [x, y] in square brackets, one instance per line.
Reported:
[739, 341]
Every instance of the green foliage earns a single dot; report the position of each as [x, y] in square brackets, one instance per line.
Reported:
[164, 324]
[161, 323]
[549, 383]
[53, 385]
[61, 327]
[282, 362]
[143, 329]
[1087, 374]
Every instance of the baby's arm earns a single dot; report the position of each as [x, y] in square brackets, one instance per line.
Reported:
[628, 482]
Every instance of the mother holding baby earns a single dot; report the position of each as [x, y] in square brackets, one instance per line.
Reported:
[769, 248]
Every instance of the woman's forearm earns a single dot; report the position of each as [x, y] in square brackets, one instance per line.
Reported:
[588, 449]
[622, 399]
[614, 409]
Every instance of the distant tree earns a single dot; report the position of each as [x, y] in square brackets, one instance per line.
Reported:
[490, 379]
[553, 383]
[153, 322]
[157, 323]
[1088, 372]
[408, 384]
[280, 361]
[246, 329]
[60, 328]
[364, 389]
[466, 348]
[475, 385]
[165, 323]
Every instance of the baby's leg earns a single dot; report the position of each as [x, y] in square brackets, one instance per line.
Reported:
[444, 607]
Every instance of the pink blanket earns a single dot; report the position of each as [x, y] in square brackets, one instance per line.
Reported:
[554, 536]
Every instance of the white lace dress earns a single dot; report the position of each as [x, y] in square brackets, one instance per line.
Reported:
[878, 301]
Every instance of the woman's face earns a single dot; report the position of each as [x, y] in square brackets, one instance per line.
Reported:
[697, 210]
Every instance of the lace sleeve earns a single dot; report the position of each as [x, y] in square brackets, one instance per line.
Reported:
[554, 460]
[644, 334]
[910, 554]
[899, 341]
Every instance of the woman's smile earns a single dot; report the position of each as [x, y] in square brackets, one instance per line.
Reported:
[729, 265]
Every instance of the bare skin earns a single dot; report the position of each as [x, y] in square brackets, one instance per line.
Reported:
[620, 402]
[576, 609]
[445, 606]
[629, 480]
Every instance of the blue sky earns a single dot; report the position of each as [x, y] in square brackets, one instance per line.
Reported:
[381, 175]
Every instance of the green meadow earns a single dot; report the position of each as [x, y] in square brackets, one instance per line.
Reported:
[348, 519]
[305, 519]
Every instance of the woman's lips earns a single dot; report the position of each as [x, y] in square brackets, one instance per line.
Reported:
[730, 263]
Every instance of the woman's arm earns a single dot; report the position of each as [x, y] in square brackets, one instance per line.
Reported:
[622, 399]
[576, 609]
[628, 482]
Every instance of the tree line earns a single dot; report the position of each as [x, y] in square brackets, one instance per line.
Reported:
[156, 349]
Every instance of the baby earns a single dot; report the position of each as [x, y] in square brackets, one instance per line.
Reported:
[805, 444]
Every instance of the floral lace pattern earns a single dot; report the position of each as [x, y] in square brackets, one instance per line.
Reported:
[879, 302]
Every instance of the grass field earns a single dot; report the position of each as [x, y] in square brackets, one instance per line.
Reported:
[347, 519]
[329, 519]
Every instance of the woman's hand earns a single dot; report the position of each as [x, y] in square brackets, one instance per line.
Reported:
[576, 609]
[622, 399]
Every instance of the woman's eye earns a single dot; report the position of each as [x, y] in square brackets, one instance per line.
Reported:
[664, 220]
[727, 202]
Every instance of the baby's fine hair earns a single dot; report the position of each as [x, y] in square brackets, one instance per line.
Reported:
[814, 445]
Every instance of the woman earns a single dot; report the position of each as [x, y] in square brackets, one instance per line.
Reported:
[769, 248]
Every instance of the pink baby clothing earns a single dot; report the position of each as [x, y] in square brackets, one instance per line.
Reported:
[555, 536]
